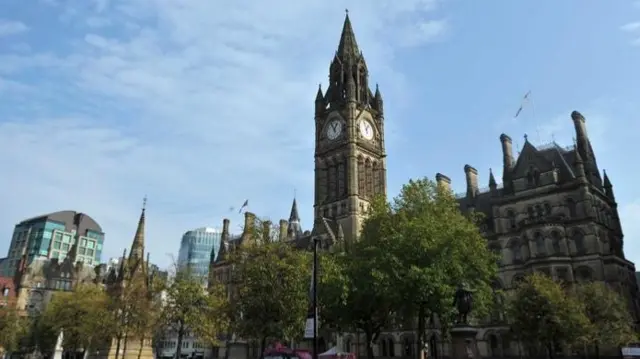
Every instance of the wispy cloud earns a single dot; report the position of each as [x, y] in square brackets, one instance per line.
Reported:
[196, 107]
[10, 27]
[632, 28]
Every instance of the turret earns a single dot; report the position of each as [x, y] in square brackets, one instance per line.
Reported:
[224, 241]
[493, 185]
[608, 187]
[379, 106]
[320, 104]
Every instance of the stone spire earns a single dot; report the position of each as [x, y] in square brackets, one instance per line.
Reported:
[294, 228]
[493, 185]
[348, 46]
[137, 247]
[608, 187]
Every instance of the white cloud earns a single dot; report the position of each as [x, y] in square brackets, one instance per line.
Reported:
[197, 108]
[631, 27]
[10, 27]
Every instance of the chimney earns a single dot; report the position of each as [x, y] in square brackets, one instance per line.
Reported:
[249, 225]
[472, 181]
[507, 152]
[225, 228]
[443, 181]
[266, 231]
[283, 230]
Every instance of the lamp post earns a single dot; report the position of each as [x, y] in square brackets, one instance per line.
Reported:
[316, 241]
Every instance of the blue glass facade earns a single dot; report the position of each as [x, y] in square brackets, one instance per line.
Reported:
[51, 236]
[195, 250]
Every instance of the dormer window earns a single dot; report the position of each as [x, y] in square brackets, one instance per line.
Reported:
[533, 177]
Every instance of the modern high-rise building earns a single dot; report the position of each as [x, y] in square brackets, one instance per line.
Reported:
[195, 250]
[52, 236]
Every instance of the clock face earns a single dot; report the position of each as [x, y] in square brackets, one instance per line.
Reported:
[334, 129]
[366, 130]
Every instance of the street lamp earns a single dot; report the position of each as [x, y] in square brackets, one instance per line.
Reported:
[316, 240]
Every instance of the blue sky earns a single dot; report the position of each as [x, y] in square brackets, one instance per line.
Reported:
[202, 104]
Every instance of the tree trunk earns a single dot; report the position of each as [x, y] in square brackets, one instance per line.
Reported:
[124, 346]
[118, 337]
[369, 336]
[180, 337]
[263, 345]
[420, 334]
[550, 350]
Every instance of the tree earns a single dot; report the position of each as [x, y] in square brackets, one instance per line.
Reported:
[189, 308]
[136, 308]
[611, 322]
[270, 291]
[429, 248]
[355, 291]
[83, 315]
[541, 313]
[13, 328]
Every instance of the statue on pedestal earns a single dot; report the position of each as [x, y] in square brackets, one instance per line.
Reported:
[463, 301]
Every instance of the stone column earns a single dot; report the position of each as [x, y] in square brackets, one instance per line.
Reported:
[463, 342]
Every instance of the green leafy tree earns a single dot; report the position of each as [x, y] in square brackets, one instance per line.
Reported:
[189, 308]
[136, 309]
[543, 314]
[13, 329]
[355, 292]
[611, 322]
[83, 315]
[270, 291]
[429, 248]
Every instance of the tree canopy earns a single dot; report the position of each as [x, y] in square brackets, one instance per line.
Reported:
[189, 308]
[270, 289]
[411, 256]
[542, 313]
[13, 329]
[606, 310]
[83, 315]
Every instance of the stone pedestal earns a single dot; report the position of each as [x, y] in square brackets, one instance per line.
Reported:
[463, 343]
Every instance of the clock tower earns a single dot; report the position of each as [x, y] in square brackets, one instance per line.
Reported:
[350, 164]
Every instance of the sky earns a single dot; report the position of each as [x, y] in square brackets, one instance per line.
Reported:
[203, 104]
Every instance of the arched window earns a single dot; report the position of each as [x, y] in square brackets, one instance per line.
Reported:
[511, 217]
[547, 208]
[433, 347]
[516, 252]
[540, 245]
[571, 206]
[388, 349]
[555, 240]
[578, 241]
[347, 346]
[408, 345]
[494, 346]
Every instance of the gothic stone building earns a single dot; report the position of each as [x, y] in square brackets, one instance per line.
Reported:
[554, 212]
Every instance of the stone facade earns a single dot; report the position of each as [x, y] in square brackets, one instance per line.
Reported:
[555, 213]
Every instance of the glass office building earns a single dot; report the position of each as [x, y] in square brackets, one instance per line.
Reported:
[52, 235]
[195, 250]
